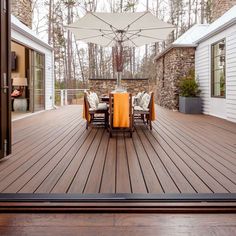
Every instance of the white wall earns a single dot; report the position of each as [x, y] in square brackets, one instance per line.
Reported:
[224, 108]
[49, 82]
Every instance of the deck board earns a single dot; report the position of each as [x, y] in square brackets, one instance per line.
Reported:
[54, 153]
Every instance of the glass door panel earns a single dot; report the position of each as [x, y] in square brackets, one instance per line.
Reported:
[38, 82]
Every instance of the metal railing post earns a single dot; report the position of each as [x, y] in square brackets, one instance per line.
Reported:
[66, 97]
[62, 97]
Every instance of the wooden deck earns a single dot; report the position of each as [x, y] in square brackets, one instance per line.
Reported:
[54, 153]
[117, 224]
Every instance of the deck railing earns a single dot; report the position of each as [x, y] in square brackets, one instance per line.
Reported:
[65, 97]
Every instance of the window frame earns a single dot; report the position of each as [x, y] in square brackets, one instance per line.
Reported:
[212, 68]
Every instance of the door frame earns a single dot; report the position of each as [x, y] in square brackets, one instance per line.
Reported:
[5, 83]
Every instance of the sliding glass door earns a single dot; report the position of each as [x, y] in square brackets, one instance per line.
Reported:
[38, 82]
[5, 79]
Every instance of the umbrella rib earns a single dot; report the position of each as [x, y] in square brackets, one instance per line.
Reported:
[95, 36]
[114, 32]
[154, 28]
[82, 28]
[135, 20]
[103, 20]
[132, 34]
[128, 39]
[109, 43]
[148, 37]
[105, 36]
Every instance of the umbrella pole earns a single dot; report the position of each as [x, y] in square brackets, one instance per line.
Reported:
[119, 79]
[119, 63]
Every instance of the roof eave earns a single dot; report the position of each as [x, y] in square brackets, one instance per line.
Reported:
[30, 36]
[217, 30]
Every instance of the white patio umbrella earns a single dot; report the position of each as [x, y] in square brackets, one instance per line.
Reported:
[119, 30]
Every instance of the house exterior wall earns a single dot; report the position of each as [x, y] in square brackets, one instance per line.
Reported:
[219, 7]
[220, 107]
[49, 82]
[171, 67]
[22, 9]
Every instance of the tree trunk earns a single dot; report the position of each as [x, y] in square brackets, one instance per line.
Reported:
[202, 11]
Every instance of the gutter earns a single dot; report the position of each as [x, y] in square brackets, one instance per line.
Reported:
[216, 31]
[30, 36]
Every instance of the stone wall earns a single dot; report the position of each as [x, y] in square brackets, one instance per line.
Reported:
[104, 86]
[22, 9]
[171, 67]
[219, 7]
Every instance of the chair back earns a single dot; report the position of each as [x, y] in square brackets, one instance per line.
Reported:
[150, 103]
[86, 106]
[111, 109]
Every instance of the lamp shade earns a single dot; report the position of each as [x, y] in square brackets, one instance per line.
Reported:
[19, 81]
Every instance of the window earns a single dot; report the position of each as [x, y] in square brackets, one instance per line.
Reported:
[218, 69]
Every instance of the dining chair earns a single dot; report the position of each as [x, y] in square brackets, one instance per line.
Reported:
[144, 110]
[116, 128]
[95, 115]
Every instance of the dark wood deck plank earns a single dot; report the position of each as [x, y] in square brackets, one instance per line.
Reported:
[12, 172]
[191, 136]
[66, 179]
[30, 138]
[54, 153]
[190, 175]
[165, 179]
[201, 173]
[226, 177]
[36, 145]
[97, 168]
[122, 169]
[136, 175]
[26, 171]
[40, 176]
[108, 184]
[80, 179]
[211, 136]
[118, 224]
[196, 134]
[180, 180]
[37, 122]
[151, 180]
[53, 177]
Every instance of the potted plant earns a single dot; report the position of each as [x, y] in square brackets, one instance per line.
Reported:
[189, 100]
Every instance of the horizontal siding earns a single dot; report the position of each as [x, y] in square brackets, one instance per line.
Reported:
[203, 71]
[231, 75]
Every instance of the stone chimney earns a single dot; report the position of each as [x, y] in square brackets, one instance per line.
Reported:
[219, 7]
[22, 9]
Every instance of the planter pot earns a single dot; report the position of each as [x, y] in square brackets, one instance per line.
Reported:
[20, 104]
[190, 105]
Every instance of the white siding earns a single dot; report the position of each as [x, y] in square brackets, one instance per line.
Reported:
[224, 108]
[49, 82]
